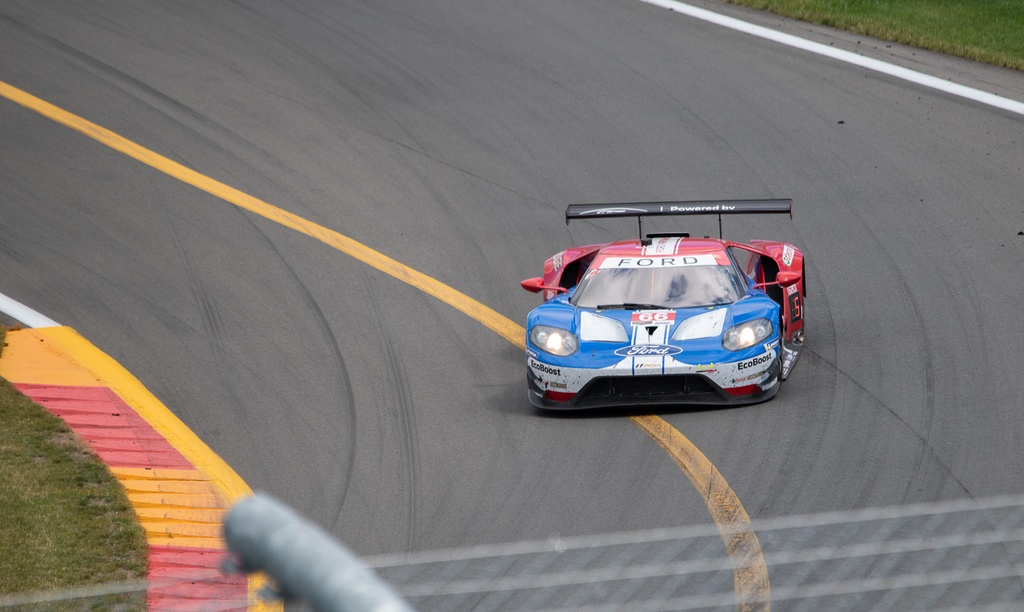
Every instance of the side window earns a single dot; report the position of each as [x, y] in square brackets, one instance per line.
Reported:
[573, 273]
[568, 279]
[747, 261]
[759, 269]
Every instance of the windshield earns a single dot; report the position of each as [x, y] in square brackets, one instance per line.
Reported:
[619, 282]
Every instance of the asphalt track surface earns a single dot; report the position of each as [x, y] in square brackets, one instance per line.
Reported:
[450, 135]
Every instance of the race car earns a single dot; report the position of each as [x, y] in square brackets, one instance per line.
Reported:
[666, 318]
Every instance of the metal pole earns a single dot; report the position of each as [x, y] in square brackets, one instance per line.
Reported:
[305, 561]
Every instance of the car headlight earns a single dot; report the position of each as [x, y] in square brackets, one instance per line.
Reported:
[553, 340]
[745, 335]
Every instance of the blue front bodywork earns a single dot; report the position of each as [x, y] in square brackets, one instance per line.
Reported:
[598, 355]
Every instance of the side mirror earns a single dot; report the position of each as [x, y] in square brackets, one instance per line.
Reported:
[533, 285]
[787, 279]
[536, 285]
[783, 279]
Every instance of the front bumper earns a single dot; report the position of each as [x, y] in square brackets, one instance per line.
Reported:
[609, 388]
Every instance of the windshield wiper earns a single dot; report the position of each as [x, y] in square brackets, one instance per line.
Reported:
[632, 306]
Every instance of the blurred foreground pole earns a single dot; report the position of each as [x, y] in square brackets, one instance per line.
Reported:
[306, 562]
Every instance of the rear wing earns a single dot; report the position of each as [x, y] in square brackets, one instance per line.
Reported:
[686, 207]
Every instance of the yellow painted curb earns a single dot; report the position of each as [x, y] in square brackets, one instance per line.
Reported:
[176, 507]
[111, 374]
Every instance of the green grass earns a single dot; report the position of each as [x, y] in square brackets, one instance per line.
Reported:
[990, 31]
[65, 521]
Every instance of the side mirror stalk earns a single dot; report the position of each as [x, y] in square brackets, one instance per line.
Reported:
[536, 285]
[782, 279]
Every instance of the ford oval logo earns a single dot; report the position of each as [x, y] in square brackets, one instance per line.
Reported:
[648, 350]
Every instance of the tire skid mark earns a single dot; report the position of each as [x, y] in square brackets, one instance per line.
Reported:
[344, 381]
[926, 446]
[881, 249]
[340, 81]
[406, 416]
[208, 311]
[750, 572]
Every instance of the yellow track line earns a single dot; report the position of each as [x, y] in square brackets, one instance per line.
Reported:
[750, 573]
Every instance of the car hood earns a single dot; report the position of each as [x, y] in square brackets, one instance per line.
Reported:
[696, 332]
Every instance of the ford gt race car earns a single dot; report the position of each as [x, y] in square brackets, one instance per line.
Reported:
[666, 318]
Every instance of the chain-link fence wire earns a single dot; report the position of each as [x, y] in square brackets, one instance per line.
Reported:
[956, 555]
[133, 596]
[959, 555]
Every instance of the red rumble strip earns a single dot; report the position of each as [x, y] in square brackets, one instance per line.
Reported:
[179, 488]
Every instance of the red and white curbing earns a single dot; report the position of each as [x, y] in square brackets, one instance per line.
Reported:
[180, 489]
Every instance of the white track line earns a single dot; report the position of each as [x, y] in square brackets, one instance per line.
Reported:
[23, 313]
[844, 56]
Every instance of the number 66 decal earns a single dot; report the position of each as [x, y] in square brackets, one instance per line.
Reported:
[653, 317]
